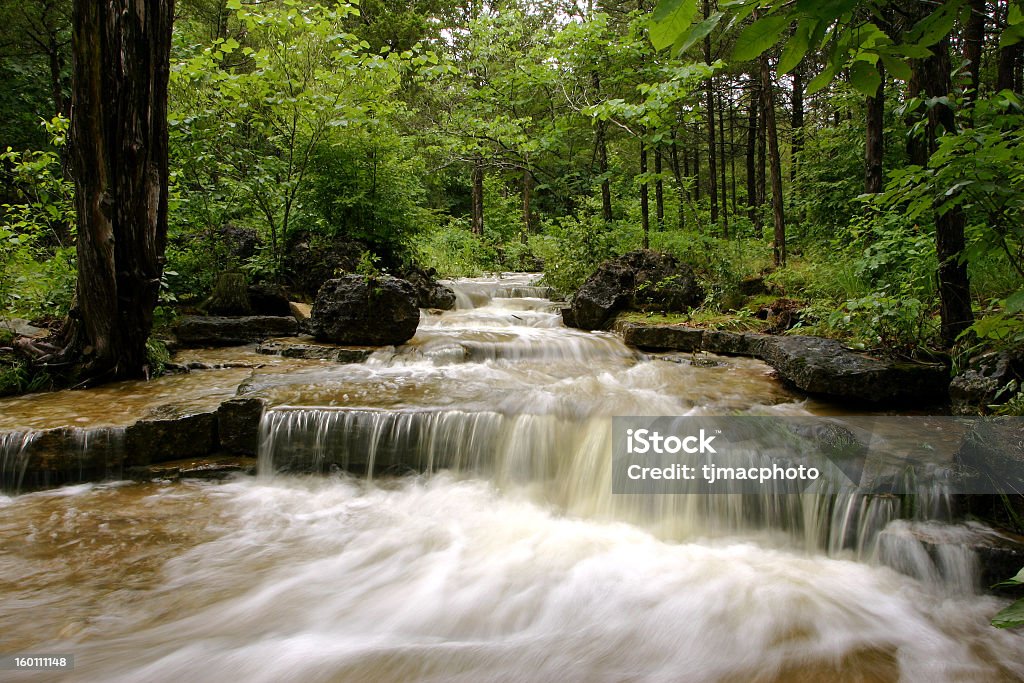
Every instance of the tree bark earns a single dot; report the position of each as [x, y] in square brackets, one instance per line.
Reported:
[797, 121]
[477, 219]
[932, 78]
[712, 151]
[752, 126]
[659, 190]
[721, 151]
[601, 148]
[645, 210]
[121, 52]
[974, 42]
[874, 148]
[779, 242]
[709, 92]
[527, 205]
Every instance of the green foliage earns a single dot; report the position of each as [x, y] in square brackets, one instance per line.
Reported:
[897, 325]
[574, 246]
[454, 251]
[36, 263]
[157, 356]
[1013, 615]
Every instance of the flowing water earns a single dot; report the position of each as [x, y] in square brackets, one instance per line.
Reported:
[482, 542]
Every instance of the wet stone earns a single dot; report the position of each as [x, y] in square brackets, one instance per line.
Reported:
[313, 351]
[216, 467]
[238, 425]
[159, 439]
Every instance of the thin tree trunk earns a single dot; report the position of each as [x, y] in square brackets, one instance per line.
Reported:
[478, 197]
[601, 146]
[659, 190]
[712, 154]
[752, 125]
[709, 92]
[762, 162]
[732, 155]
[797, 122]
[974, 43]
[1006, 67]
[121, 52]
[874, 147]
[678, 174]
[779, 243]
[56, 85]
[721, 151]
[527, 204]
[645, 211]
[932, 78]
[696, 172]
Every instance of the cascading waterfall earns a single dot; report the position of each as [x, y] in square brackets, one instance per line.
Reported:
[89, 454]
[559, 446]
[510, 560]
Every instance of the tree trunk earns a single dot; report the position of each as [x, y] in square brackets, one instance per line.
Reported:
[601, 148]
[121, 54]
[678, 174]
[478, 198]
[56, 86]
[1006, 67]
[974, 42]
[696, 172]
[659, 190]
[762, 162]
[732, 155]
[874, 148]
[712, 152]
[797, 122]
[710, 96]
[721, 151]
[752, 125]
[645, 211]
[527, 205]
[779, 243]
[932, 78]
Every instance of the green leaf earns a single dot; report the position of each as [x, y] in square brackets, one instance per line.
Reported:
[234, 4]
[1010, 617]
[697, 33]
[822, 80]
[760, 36]
[670, 19]
[796, 47]
[936, 25]
[865, 78]
[897, 67]
[1015, 304]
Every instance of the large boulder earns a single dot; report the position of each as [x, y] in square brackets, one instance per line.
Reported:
[365, 311]
[979, 386]
[640, 280]
[825, 367]
[429, 292]
[268, 299]
[203, 330]
[310, 260]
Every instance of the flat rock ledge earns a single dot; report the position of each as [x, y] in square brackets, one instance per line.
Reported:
[309, 350]
[213, 330]
[823, 367]
[41, 459]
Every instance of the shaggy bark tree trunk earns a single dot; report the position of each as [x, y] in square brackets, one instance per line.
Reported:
[121, 54]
